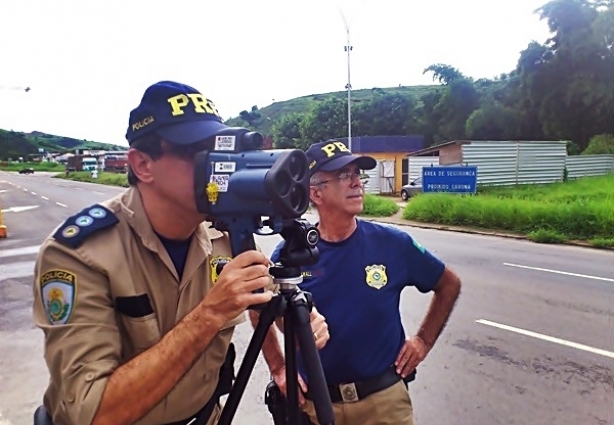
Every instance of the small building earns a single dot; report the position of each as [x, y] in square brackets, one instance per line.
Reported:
[499, 161]
[390, 152]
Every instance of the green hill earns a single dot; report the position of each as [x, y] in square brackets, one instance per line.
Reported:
[15, 144]
[262, 119]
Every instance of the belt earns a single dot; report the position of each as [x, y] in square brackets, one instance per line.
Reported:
[355, 391]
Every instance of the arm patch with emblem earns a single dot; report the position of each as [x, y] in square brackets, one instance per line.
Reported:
[85, 223]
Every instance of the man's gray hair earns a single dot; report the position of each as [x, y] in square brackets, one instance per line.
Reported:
[316, 178]
[314, 181]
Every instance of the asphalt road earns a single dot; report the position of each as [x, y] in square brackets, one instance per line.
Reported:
[531, 341]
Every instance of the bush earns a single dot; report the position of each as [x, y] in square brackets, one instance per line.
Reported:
[377, 206]
[36, 166]
[580, 209]
[111, 179]
[600, 144]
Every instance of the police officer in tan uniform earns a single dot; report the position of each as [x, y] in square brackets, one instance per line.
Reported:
[137, 322]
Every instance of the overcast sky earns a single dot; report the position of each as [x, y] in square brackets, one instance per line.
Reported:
[89, 62]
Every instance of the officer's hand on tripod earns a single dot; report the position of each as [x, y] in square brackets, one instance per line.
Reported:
[279, 376]
[232, 293]
[319, 327]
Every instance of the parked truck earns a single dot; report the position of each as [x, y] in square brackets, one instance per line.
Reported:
[81, 163]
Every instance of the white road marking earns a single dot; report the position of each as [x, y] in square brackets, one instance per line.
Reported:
[607, 279]
[4, 190]
[99, 193]
[17, 270]
[19, 251]
[60, 204]
[33, 193]
[19, 209]
[548, 338]
[25, 190]
[45, 198]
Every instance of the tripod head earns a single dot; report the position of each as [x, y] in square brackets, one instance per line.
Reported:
[299, 249]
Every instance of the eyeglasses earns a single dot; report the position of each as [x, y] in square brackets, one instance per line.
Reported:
[187, 152]
[345, 176]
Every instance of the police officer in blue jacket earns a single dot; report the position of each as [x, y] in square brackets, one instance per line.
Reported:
[356, 285]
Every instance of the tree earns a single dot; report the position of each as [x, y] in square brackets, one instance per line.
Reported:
[326, 120]
[445, 74]
[286, 132]
[250, 117]
[493, 121]
[386, 114]
[600, 144]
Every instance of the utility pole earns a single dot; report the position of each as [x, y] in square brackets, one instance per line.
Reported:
[348, 87]
[348, 49]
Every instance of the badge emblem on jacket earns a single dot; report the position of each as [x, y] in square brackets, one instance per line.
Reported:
[376, 276]
[214, 262]
[58, 295]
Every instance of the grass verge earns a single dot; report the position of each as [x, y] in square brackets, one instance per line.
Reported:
[377, 206]
[36, 166]
[581, 209]
[111, 179]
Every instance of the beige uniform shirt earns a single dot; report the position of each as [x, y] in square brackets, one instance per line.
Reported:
[114, 295]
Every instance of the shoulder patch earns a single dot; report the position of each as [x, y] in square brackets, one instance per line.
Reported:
[58, 289]
[86, 222]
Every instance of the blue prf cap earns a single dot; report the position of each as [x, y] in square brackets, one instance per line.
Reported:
[178, 113]
[332, 155]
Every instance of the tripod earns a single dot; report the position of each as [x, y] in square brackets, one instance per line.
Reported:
[294, 306]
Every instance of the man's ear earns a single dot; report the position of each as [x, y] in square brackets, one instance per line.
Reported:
[140, 164]
[315, 194]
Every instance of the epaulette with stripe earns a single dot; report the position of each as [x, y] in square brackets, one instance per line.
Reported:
[85, 223]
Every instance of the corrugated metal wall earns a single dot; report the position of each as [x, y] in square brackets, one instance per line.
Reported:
[504, 163]
[511, 162]
[381, 178]
[373, 184]
[589, 165]
[417, 162]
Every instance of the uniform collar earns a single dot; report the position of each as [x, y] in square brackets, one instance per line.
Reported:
[201, 247]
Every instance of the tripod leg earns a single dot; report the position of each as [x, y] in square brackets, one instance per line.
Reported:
[300, 307]
[267, 317]
[291, 369]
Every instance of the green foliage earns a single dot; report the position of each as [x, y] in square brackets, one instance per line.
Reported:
[602, 243]
[455, 107]
[324, 121]
[579, 209]
[111, 179]
[546, 236]
[386, 114]
[559, 90]
[14, 144]
[493, 121]
[445, 74]
[36, 166]
[600, 144]
[383, 114]
[286, 132]
[377, 206]
[271, 115]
